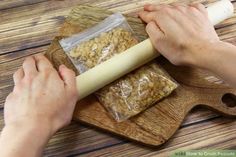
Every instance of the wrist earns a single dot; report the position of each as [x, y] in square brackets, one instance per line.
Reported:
[221, 58]
[40, 130]
[205, 55]
[213, 55]
[15, 138]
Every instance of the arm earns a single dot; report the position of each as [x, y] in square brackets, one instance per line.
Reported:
[222, 61]
[42, 102]
[184, 35]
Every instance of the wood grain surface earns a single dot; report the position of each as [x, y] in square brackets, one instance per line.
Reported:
[201, 129]
[157, 124]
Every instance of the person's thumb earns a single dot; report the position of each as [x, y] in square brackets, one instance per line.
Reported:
[154, 33]
[68, 76]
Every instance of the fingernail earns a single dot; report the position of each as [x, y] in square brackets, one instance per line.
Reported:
[149, 27]
[62, 66]
[147, 6]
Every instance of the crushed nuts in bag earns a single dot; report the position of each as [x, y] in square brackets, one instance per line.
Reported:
[130, 94]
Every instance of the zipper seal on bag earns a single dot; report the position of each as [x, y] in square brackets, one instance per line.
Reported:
[107, 24]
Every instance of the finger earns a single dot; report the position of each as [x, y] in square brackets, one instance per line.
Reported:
[9, 97]
[179, 6]
[161, 18]
[68, 76]
[146, 6]
[18, 75]
[147, 16]
[29, 66]
[199, 7]
[42, 63]
[152, 7]
[154, 33]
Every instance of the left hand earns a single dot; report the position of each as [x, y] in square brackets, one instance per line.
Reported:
[41, 102]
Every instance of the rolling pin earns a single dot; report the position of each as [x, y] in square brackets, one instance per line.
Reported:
[136, 56]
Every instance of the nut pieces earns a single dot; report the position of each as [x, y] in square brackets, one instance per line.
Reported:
[103, 47]
[136, 91]
[132, 93]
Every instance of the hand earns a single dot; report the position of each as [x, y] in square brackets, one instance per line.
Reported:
[41, 97]
[42, 102]
[179, 32]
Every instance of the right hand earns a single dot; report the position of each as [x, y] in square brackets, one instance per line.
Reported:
[179, 32]
[42, 97]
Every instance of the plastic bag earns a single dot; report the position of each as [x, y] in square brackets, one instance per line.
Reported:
[99, 43]
[136, 91]
[130, 94]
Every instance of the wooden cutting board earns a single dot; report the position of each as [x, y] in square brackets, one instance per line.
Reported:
[158, 123]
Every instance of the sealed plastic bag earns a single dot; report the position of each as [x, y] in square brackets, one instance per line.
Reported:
[97, 44]
[130, 94]
[136, 91]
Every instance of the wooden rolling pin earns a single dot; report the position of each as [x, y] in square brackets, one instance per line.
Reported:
[136, 56]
